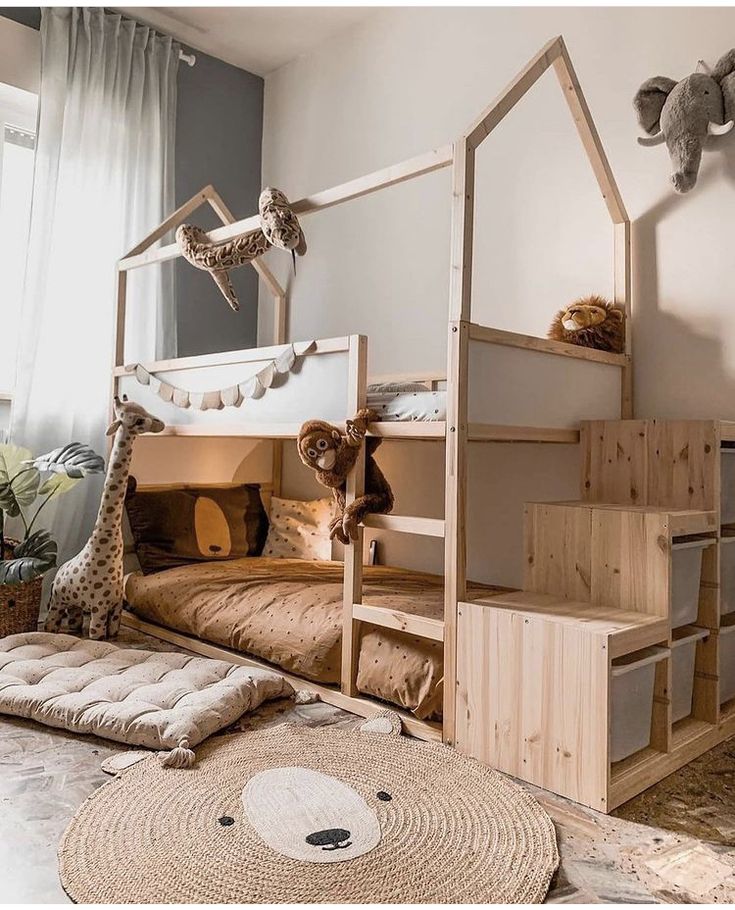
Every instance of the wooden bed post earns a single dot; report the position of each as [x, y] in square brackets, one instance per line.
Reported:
[356, 399]
[455, 493]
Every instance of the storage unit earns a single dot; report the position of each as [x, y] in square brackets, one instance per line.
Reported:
[539, 690]
[631, 557]
[633, 682]
[683, 661]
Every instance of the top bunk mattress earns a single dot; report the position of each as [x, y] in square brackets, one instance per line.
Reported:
[289, 612]
[408, 404]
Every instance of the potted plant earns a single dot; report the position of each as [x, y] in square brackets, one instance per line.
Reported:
[26, 486]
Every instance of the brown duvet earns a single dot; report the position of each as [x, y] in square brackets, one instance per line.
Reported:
[289, 612]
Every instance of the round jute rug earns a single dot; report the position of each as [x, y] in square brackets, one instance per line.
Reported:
[293, 814]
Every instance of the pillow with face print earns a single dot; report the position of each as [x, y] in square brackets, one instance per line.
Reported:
[177, 525]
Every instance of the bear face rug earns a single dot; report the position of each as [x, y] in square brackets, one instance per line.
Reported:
[300, 815]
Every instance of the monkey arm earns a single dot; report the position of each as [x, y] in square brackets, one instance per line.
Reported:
[357, 427]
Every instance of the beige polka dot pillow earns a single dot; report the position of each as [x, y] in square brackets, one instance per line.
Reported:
[299, 530]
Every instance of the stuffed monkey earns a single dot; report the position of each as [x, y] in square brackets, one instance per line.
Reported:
[332, 456]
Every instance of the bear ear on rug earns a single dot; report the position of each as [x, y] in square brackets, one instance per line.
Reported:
[386, 723]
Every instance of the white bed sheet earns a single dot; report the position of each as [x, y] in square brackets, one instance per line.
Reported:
[414, 405]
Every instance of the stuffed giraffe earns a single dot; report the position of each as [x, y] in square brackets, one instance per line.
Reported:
[92, 581]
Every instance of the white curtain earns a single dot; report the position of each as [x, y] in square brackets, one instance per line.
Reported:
[103, 180]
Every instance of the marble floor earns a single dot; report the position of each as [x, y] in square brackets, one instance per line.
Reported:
[46, 774]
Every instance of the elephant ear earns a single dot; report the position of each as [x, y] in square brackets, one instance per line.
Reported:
[724, 73]
[649, 101]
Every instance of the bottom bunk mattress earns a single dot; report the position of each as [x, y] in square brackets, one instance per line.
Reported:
[289, 612]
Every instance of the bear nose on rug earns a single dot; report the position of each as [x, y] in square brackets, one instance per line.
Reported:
[329, 839]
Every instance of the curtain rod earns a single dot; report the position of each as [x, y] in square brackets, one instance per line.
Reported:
[189, 59]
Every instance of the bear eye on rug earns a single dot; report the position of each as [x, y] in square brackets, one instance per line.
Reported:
[294, 814]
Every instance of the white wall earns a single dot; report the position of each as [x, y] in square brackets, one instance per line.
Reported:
[410, 79]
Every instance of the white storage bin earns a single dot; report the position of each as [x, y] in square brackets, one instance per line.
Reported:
[727, 663]
[727, 575]
[632, 681]
[727, 486]
[683, 656]
[686, 572]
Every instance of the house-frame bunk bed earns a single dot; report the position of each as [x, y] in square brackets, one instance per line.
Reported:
[476, 355]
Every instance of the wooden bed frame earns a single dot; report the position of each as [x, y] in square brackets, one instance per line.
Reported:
[459, 430]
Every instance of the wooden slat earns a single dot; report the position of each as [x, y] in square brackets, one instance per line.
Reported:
[455, 506]
[424, 626]
[492, 432]
[408, 429]
[623, 298]
[513, 92]
[428, 527]
[355, 487]
[588, 134]
[247, 355]
[463, 213]
[120, 311]
[360, 705]
[267, 430]
[353, 189]
[544, 345]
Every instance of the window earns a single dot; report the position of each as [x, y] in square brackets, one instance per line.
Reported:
[17, 150]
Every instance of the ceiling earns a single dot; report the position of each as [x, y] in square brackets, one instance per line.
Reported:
[257, 39]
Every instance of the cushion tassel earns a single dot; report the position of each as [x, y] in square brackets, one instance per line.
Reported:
[180, 757]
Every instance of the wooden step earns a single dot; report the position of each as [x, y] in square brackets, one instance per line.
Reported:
[414, 624]
[406, 524]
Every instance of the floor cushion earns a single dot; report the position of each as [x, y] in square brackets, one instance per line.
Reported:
[160, 700]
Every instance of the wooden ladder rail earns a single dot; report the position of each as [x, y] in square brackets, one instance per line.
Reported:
[354, 611]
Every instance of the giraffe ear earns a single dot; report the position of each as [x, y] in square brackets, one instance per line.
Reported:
[113, 428]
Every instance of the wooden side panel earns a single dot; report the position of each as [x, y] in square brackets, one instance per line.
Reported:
[533, 700]
[557, 550]
[614, 461]
[683, 464]
[631, 566]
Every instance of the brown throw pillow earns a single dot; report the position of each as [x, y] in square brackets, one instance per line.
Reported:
[174, 526]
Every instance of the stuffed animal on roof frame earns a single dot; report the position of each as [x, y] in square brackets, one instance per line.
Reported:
[279, 227]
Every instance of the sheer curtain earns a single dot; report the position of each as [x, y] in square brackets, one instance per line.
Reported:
[103, 179]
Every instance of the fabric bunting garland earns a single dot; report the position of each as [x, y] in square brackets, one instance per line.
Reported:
[232, 396]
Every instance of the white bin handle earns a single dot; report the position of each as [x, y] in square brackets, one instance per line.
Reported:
[655, 656]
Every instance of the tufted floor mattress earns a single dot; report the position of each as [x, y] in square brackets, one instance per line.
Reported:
[289, 612]
[143, 698]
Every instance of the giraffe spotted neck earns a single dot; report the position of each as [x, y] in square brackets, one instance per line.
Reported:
[109, 516]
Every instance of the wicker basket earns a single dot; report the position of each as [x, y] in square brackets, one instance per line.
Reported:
[19, 604]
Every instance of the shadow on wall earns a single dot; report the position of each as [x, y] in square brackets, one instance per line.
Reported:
[682, 365]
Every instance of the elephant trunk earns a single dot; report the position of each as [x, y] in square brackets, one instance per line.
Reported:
[686, 154]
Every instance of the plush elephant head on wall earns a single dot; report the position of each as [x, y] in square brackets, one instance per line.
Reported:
[684, 114]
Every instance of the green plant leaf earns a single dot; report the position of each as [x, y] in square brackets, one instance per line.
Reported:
[12, 460]
[58, 483]
[40, 545]
[31, 558]
[16, 571]
[18, 482]
[74, 460]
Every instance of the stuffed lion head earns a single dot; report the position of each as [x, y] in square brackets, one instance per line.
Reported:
[591, 322]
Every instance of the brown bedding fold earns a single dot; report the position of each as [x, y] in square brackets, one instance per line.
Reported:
[289, 612]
